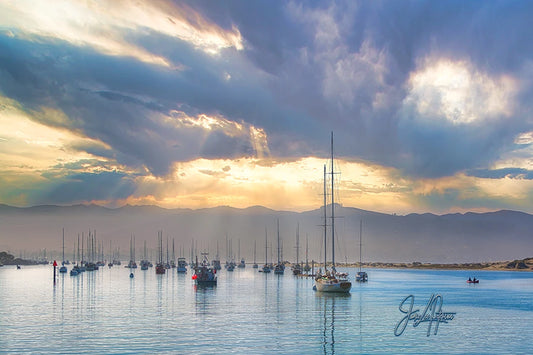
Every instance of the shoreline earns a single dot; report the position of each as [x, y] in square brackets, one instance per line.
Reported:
[510, 265]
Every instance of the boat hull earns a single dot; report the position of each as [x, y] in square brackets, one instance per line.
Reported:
[334, 286]
[206, 282]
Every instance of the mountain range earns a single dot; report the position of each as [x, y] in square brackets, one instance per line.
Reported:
[449, 238]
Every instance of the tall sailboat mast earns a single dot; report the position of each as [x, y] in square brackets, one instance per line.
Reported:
[63, 260]
[298, 243]
[360, 243]
[279, 250]
[332, 209]
[266, 246]
[325, 222]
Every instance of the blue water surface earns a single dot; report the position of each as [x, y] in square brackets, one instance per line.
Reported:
[253, 313]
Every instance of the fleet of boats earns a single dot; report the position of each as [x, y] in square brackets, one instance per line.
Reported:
[327, 280]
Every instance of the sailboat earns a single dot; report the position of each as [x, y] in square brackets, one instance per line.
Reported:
[306, 266]
[266, 267]
[230, 260]
[144, 262]
[173, 261]
[160, 267]
[297, 268]
[242, 264]
[63, 268]
[110, 263]
[255, 264]
[216, 260]
[280, 267]
[331, 281]
[75, 269]
[361, 276]
[82, 267]
[132, 264]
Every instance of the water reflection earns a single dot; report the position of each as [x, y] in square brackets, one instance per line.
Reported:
[204, 297]
[328, 303]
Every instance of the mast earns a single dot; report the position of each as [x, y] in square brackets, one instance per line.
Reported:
[360, 243]
[306, 250]
[297, 243]
[266, 247]
[254, 249]
[332, 210]
[325, 221]
[63, 246]
[278, 244]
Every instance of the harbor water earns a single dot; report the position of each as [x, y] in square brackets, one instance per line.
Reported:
[248, 312]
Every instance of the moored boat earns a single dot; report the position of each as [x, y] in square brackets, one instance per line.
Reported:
[361, 276]
[160, 267]
[204, 273]
[182, 265]
[331, 281]
[279, 268]
[266, 268]
[63, 268]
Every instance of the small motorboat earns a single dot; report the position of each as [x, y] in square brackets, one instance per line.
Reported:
[472, 281]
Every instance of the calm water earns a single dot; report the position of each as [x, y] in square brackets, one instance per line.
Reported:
[253, 313]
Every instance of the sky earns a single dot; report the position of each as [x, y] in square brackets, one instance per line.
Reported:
[199, 104]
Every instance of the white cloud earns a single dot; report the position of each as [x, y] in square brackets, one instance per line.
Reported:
[458, 92]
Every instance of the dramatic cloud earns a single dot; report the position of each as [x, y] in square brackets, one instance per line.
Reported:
[430, 102]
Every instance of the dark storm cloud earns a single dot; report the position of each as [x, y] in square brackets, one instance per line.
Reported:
[493, 36]
[122, 115]
[103, 186]
[307, 68]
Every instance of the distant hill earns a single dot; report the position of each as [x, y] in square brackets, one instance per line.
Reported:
[450, 238]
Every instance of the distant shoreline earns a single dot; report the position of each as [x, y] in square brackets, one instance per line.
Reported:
[514, 265]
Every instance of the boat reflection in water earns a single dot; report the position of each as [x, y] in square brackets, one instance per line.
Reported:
[327, 301]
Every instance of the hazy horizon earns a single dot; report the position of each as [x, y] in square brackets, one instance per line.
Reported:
[472, 237]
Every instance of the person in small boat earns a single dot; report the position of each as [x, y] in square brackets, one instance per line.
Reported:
[469, 279]
[474, 279]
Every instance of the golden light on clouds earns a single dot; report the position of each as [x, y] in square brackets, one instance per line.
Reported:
[27, 143]
[106, 26]
[284, 185]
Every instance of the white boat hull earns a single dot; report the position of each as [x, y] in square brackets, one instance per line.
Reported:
[325, 285]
